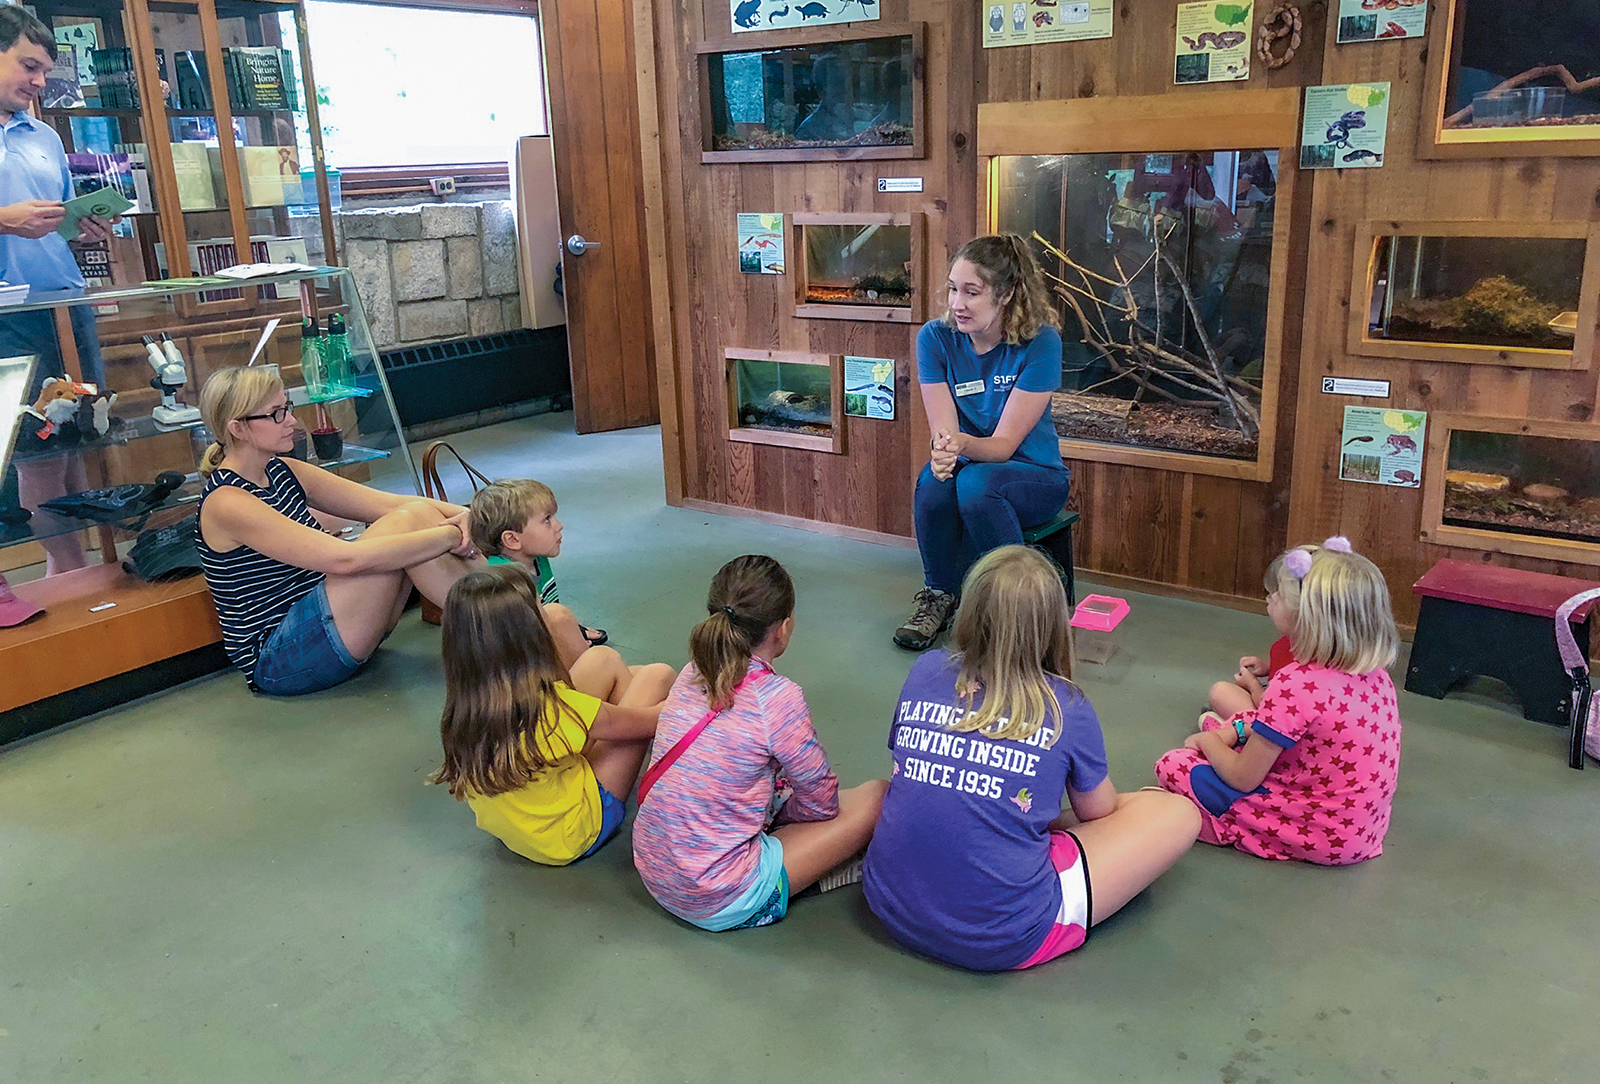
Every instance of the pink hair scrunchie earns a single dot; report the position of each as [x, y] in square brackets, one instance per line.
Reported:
[1338, 544]
[1298, 562]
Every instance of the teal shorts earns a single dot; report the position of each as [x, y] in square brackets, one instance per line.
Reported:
[764, 902]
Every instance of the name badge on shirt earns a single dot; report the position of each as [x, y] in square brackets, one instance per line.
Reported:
[971, 387]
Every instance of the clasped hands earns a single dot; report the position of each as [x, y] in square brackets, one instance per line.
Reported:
[945, 452]
[36, 218]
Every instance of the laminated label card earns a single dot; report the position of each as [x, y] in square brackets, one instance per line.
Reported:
[1213, 44]
[1345, 126]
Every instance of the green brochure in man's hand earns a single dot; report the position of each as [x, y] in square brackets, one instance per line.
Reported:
[105, 202]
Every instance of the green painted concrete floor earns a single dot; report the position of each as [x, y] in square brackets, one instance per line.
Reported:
[207, 886]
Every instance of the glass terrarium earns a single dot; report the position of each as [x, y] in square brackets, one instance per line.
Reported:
[786, 398]
[856, 96]
[1161, 264]
[1518, 483]
[1518, 293]
[1514, 76]
[858, 267]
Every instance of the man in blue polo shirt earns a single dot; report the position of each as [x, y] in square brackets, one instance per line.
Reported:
[33, 183]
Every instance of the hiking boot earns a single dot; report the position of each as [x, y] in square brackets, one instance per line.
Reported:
[931, 617]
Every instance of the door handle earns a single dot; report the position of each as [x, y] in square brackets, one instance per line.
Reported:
[578, 246]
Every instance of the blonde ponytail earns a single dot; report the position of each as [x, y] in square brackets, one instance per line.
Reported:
[749, 595]
[228, 395]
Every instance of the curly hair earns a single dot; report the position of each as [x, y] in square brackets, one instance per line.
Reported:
[1007, 265]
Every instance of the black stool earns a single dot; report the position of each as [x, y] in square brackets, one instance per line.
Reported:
[1499, 622]
[1055, 538]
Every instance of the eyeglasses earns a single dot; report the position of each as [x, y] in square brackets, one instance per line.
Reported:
[276, 417]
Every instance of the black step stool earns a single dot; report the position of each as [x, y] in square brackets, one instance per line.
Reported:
[1055, 539]
[1498, 622]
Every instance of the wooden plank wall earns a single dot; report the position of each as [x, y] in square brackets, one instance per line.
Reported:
[716, 306]
[1384, 522]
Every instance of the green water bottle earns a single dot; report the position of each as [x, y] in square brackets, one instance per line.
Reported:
[313, 367]
[336, 354]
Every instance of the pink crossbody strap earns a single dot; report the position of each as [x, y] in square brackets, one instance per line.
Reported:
[657, 769]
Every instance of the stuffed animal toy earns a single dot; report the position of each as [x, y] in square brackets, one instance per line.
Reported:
[68, 412]
[58, 400]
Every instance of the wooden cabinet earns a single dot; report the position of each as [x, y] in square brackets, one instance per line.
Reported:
[202, 111]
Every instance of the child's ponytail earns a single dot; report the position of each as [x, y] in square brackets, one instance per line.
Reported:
[1343, 618]
[749, 595]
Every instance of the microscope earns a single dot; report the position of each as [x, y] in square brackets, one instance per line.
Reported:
[171, 375]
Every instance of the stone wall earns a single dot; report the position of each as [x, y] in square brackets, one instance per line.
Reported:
[436, 271]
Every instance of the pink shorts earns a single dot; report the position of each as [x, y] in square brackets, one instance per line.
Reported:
[1071, 927]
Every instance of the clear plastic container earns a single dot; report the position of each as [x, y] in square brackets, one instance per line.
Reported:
[1096, 625]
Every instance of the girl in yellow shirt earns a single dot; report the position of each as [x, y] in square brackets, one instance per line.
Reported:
[545, 757]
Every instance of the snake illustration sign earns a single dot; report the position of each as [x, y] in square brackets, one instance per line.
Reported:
[1213, 42]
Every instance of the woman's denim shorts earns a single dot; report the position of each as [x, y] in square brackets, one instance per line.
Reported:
[305, 654]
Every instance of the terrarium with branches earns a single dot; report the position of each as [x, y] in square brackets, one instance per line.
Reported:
[1161, 264]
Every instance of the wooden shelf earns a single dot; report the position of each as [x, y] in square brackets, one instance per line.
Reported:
[69, 646]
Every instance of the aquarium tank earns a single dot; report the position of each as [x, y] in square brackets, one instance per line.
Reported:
[1548, 487]
[782, 396]
[857, 265]
[1516, 292]
[839, 94]
[1161, 267]
[1517, 69]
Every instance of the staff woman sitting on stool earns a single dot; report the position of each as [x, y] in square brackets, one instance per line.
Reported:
[986, 369]
[300, 609]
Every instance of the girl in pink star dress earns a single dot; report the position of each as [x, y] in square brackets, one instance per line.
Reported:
[1310, 773]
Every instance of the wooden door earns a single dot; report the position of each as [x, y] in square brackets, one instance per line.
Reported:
[594, 123]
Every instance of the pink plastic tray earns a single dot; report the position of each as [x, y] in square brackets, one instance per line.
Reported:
[1100, 613]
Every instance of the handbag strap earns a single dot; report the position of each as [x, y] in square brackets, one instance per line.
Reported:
[656, 770]
[1572, 656]
[433, 484]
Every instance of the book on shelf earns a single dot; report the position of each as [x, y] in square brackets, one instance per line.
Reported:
[260, 77]
[192, 83]
[61, 87]
[271, 175]
[191, 162]
[114, 77]
[212, 255]
[92, 172]
[82, 36]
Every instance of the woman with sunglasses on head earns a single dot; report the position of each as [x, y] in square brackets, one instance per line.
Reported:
[300, 609]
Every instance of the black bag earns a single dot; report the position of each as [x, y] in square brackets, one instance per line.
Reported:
[119, 503]
[166, 553]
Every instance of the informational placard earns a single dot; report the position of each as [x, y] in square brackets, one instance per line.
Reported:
[1035, 22]
[1213, 44]
[1350, 385]
[1381, 20]
[869, 387]
[777, 14]
[1382, 447]
[761, 244]
[1345, 126]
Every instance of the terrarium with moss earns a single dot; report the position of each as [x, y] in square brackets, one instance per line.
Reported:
[1514, 292]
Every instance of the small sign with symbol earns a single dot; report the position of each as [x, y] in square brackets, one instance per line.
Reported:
[899, 184]
[1343, 385]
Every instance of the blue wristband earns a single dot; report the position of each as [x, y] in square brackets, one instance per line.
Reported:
[1238, 728]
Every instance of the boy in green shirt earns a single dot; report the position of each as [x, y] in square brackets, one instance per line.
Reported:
[514, 522]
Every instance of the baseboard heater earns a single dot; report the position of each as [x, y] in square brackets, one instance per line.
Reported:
[441, 380]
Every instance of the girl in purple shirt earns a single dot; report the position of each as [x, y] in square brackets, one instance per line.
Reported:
[1002, 839]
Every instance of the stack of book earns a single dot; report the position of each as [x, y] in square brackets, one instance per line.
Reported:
[115, 78]
[260, 77]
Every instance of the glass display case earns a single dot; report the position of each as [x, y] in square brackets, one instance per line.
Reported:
[1502, 83]
[857, 94]
[859, 266]
[786, 398]
[1473, 291]
[196, 111]
[1514, 485]
[1161, 265]
[121, 427]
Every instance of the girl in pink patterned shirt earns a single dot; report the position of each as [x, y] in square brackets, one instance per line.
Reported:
[1310, 773]
[706, 841]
